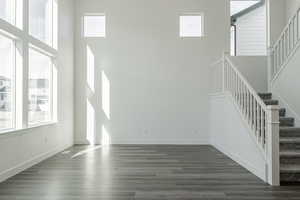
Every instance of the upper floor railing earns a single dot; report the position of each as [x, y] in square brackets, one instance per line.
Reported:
[284, 47]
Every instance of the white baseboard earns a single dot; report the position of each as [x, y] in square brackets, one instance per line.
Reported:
[31, 162]
[260, 173]
[81, 142]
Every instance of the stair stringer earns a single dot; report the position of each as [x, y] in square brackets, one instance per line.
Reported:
[232, 135]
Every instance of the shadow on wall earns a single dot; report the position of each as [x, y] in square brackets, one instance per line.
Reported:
[93, 118]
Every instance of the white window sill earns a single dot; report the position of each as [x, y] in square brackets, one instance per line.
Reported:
[9, 132]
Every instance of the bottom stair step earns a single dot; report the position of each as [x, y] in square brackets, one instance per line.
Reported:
[290, 174]
[289, 178]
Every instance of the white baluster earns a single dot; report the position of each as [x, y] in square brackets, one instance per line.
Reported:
[262, 127]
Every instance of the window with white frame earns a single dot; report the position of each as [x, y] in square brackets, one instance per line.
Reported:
[94, 26]
[7, 83]
[7, 10]
[39, 87]
[28, 102]
[41, 23]
[191, 25]
[11, 11]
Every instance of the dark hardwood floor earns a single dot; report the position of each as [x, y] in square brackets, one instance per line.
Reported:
[140, 172]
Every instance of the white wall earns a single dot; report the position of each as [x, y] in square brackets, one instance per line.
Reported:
[251, 33]
[280, 12]
[277, 19]
[230, 134]
[254, 69]
[287, 86]
[22, 149]
[159, 83]
[291, 8]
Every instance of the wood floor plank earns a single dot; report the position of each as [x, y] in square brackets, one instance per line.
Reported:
[141, 172]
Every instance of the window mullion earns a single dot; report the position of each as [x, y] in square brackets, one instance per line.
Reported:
[25, 70]
[25, 83]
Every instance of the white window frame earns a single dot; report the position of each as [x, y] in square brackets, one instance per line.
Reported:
[51, 88]
[93, 15]
[201, 14]
[24, 41]
[13, 91]
[18, 14]
[53, 23]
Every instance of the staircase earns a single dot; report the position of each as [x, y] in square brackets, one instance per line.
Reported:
[289, 144]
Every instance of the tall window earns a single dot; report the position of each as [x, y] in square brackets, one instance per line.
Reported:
[7, 80]
[39, 86]
[12, 11]
[27, 102]
[7, 10]
[41, 20]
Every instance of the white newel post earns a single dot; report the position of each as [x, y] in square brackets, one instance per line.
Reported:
[273, 157]
[270, 66]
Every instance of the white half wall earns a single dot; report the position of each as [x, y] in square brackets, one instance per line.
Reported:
[254, 69]
[287, 86]
[276, 19]
[22, 149]
[149, 86]
[291, 8]
[280, 11]
[230, 134]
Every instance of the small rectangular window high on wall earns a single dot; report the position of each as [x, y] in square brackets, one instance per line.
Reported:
[39, 87]
[191, 25]
[7, 83]
[94, 26]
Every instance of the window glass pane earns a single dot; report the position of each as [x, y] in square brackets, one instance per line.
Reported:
[191, 26]
[94, 26]
[7, 10]
[6, 83]
[39, 87]
[40, 20]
